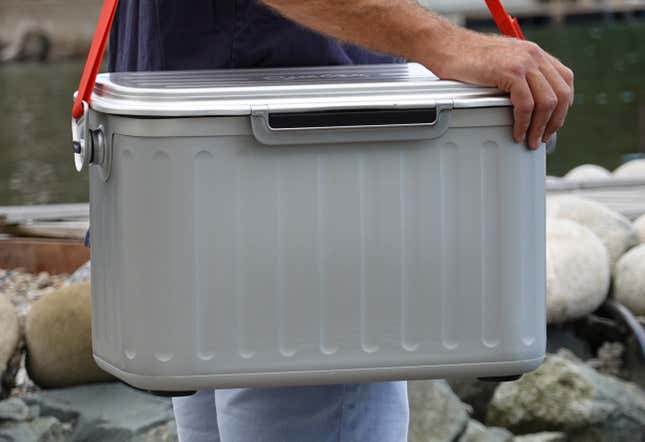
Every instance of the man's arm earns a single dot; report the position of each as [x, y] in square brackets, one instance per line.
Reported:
[541, 87]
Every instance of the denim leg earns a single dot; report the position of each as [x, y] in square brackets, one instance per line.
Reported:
[196, 417]
[327, 413]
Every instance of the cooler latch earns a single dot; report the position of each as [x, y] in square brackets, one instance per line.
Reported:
[89, 145]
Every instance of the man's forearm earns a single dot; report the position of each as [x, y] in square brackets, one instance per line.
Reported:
[396, 27]
[540, 87]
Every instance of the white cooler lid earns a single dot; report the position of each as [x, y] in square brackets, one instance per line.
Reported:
[238, 91]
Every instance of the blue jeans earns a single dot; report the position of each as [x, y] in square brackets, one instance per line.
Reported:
[326, 413]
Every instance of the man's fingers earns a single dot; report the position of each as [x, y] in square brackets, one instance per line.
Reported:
[564, 96]
[565, 73]
[545, 103]
[523, 104]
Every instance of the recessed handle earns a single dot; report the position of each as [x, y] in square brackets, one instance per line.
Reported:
[352, 118]
[315, 126]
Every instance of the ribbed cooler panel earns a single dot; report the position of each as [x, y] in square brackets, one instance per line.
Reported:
[238, 257]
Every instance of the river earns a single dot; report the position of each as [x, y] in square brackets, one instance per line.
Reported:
[606, 123]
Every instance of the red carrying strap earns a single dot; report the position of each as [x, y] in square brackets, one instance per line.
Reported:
[94, 57]
[507, 25]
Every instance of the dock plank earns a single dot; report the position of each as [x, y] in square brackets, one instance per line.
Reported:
[626, 196]
[45, 212]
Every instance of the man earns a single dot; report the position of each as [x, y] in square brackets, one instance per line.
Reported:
[202, 34]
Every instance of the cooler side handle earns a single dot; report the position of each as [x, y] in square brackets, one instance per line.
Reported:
[371, 124]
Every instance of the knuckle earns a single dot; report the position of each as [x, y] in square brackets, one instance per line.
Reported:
[547, 103]
[568, 76]
[525, 107]
[518, 69]
[563, 94]
[533, 49]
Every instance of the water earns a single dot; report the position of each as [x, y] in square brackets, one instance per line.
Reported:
[606, 122]
[36, 164]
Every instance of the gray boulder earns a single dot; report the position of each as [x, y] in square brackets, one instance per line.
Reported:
[577, 271]
[588, 172]
[14, 409]
[568, 396]
[436, 413]
[10, 345]
[477, 432]
[639, 226]
[631, 169]
[629, 283]
[162, 433]
[613, 229]
[40, 429]
[110, 412]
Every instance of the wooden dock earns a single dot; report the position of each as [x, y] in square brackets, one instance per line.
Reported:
[56, 231]
[554, 11]
[626, 196]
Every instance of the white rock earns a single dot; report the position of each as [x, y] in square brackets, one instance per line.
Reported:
[548, 436]
[629, 285]
[9, 344]
[577, 271]
[631, 169]
[588, 172]
[552, 179]
[639, 226]
[613, 229]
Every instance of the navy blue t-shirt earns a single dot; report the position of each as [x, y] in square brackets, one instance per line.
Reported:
[208, 34]
[159, 35]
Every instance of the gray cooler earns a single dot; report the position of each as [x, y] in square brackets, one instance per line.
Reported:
[314, 225]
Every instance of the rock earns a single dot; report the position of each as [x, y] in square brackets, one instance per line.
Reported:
[476, 432]
[631, 169]
[23, 289]
[32, 44]
[58, 337]
[568, 396]
[610, 358]
[163, 433]
[639, 226]
[577, 271]
[588, 172]
[10, 345]
[613, 229]
[436, 413]
[629, 284]
[14, 409]
[475, 393]
[40, 429]
[104, 412]
[552, 180]
[82, 274]
[547, 436]
[633, 364]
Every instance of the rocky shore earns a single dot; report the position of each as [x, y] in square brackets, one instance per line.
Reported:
[591, 386]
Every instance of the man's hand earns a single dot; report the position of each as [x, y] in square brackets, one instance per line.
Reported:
[541, 87]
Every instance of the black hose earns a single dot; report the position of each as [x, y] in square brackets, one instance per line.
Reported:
[619, 311]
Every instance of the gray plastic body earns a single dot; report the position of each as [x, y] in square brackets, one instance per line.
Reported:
[219, 261]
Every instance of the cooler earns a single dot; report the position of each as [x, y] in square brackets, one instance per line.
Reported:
[275, 227]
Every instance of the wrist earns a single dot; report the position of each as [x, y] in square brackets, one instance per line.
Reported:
[439, 45]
